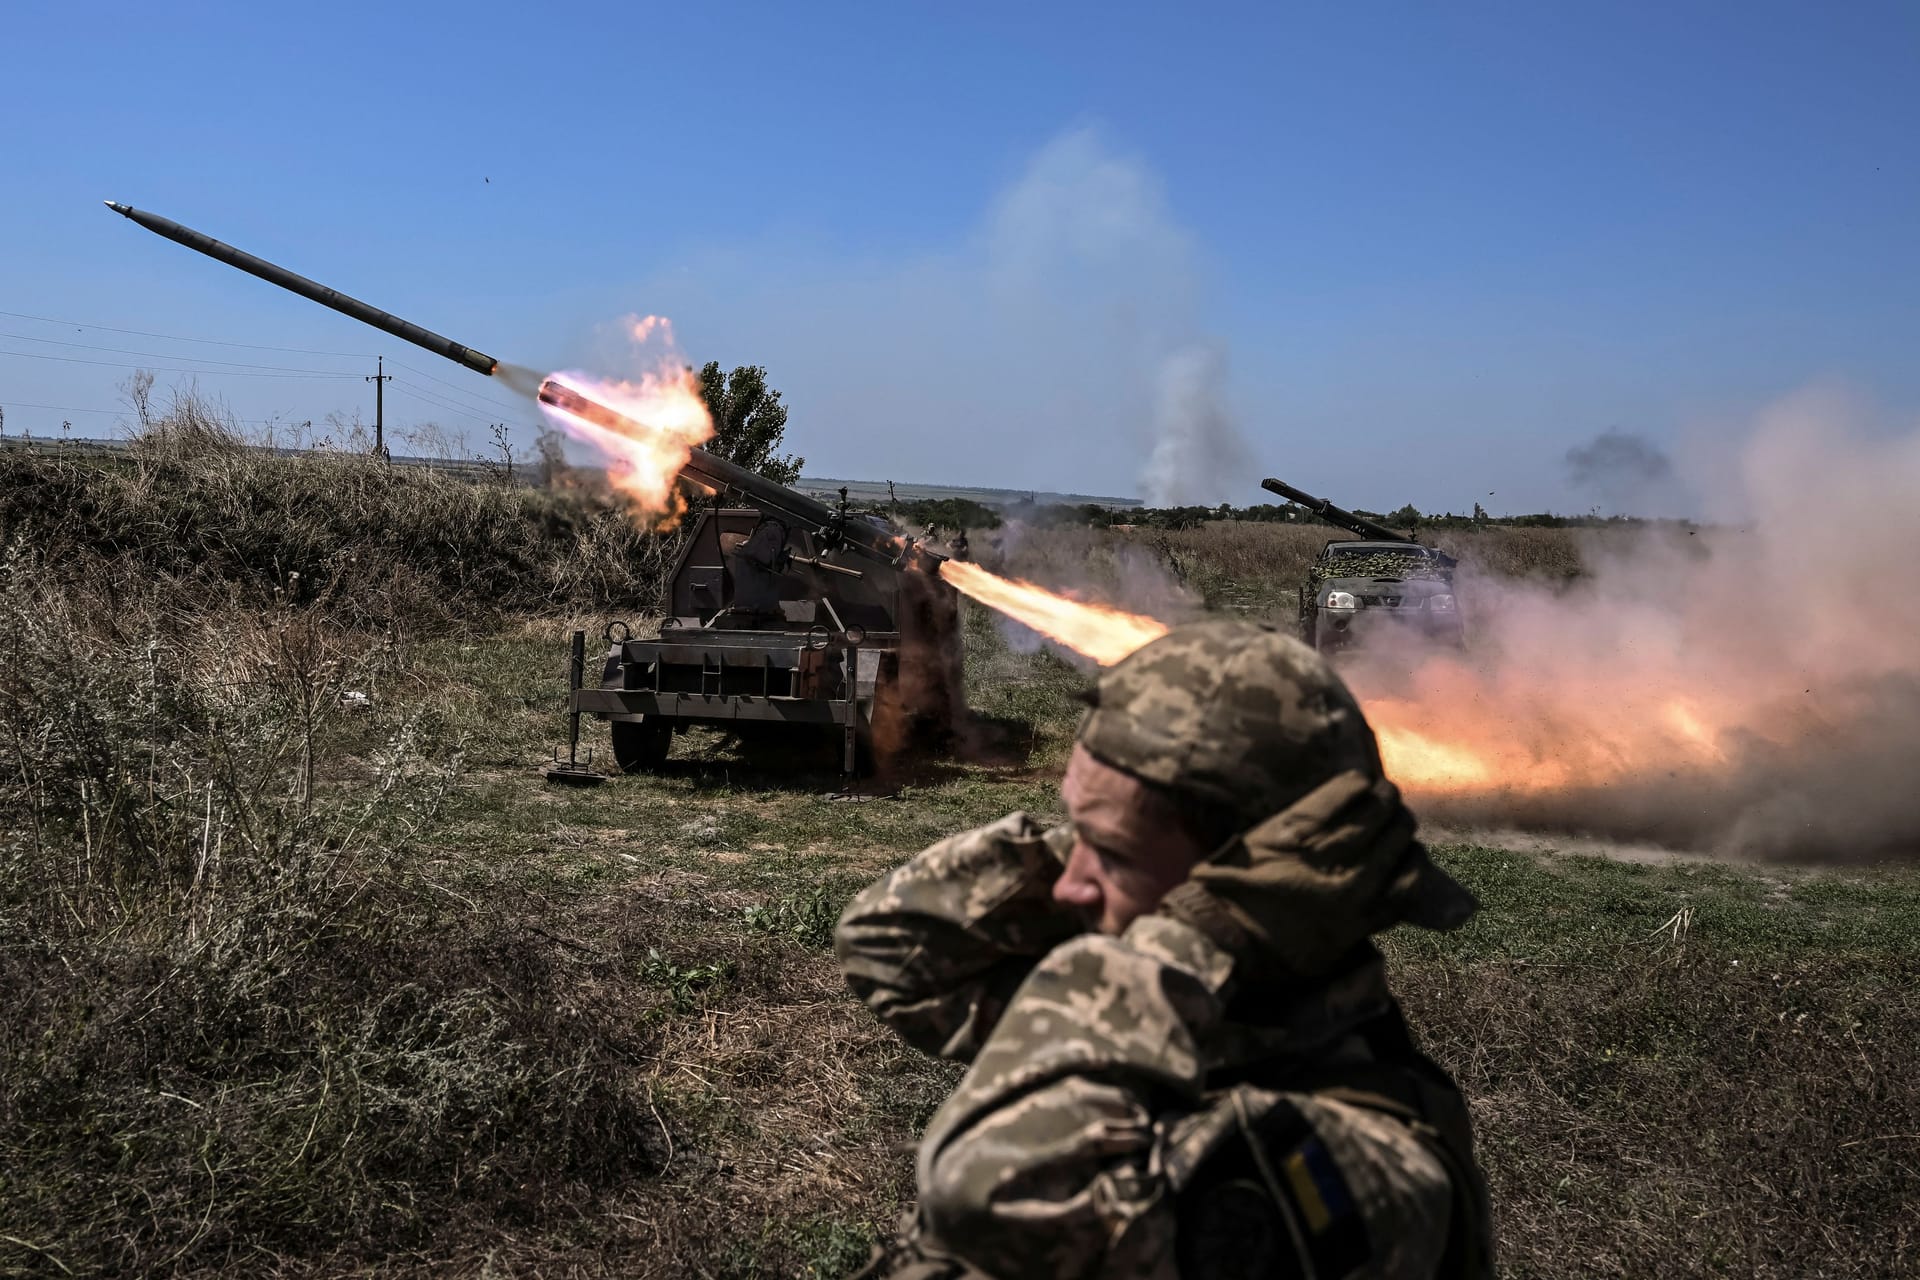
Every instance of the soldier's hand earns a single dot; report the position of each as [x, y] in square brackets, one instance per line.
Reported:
[1290, 896]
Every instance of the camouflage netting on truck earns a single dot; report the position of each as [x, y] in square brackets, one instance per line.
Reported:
[1381, 564]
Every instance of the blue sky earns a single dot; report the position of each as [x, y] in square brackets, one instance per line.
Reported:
[1390, 252]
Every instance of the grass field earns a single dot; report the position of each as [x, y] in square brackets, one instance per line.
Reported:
[302, 988]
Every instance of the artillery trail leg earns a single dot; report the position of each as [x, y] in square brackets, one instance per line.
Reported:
[849, 756]
[576, 677]
[572, 773]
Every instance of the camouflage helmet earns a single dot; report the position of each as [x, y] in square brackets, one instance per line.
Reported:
[1258, 740]
[1236, 716]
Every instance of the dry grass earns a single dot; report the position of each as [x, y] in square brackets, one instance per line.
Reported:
[247, 1021]
[1683, 1070]
[1643, 1117]
[1250, 568]
[1550, 555]
[188, 510]
[302, 989]
[252, 1022]
[1244, 551]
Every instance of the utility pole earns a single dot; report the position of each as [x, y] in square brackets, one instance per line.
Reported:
[380, 379]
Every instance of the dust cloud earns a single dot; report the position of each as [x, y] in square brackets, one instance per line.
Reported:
[1750, 687]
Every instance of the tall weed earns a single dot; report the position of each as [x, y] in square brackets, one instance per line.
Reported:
[245, 1012]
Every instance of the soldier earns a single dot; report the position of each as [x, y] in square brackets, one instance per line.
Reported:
[1185, 1059]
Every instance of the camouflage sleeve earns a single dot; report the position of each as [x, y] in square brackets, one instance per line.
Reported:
[1044, 1161]
[938, 946]
[1351, 1191]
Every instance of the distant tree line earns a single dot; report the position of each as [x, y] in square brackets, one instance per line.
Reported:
[914, 515]
[944, 513]
[1408, 518]
[750, 426]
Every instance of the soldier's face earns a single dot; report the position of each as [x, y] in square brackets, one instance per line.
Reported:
[1129, 849]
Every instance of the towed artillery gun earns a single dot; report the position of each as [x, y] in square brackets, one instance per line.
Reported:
[1379, 576]
[780, 610]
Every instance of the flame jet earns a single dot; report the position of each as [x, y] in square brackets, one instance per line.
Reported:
[366, 313]
[713, 472]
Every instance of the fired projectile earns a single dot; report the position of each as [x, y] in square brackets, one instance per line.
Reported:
[361, 311]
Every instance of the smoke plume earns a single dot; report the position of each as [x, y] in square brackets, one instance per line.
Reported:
[1089, 227]
[1751, 688]
[1626, 472]
[1199, 457]
[1037, 349]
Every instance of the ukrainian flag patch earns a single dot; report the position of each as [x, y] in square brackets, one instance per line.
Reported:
[1336, 1234]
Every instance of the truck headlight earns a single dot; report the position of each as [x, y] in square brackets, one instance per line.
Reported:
[1440, 603]
[1341, 600]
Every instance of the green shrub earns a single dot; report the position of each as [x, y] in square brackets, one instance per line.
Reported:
[806, 918]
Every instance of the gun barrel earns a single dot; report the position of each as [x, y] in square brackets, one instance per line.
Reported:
[272, 274]
[1336, 515]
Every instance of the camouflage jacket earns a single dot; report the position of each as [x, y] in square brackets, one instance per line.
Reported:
[1109, 1074]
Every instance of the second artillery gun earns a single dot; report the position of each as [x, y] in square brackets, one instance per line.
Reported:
[780, 609]
[1378, 577]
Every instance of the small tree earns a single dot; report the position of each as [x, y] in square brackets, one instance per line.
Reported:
[749, 421]
[503, 445]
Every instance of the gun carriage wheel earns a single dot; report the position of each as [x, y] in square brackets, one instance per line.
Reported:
[641, 746]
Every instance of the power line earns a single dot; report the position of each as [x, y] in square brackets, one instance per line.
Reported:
[418, 393]
[57, 408]
[412, 390]
[474, 398]
[158, 355]
[469, 404]
[174, 337]
[421, 394]
[68, 408]
[230, 373]
[472, 395]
